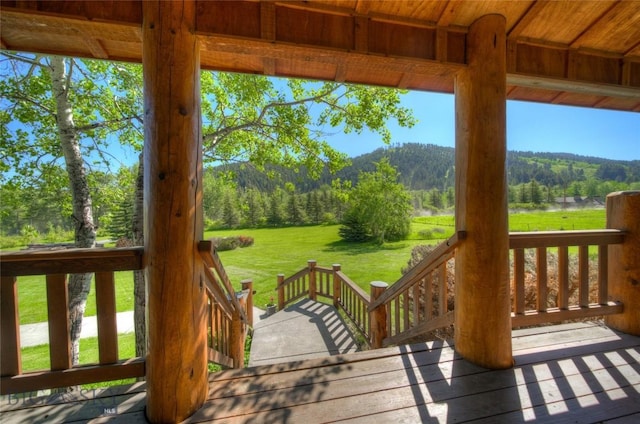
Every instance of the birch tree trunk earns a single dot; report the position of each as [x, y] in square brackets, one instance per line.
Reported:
[139, 289]
[85, 232]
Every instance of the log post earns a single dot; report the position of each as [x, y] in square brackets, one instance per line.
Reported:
[247, 285]
[313, 285]
[337, 286]
[176, 365]
[237, 337]
[280, 288]
[378, 317]
[483, 310]
[10, 361]
[623, 213]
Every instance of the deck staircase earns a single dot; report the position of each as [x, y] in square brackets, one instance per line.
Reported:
[305, 330]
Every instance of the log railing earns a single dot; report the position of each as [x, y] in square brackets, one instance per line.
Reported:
[230, 312]
[422, 301]
[56, 265]
[229, 316]
[572, 290]
[418, 302]
[330, 283]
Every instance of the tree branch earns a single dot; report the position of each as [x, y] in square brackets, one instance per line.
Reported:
[219, 135]
[104, 124]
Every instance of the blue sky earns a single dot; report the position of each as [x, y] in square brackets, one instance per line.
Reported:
[530, 127]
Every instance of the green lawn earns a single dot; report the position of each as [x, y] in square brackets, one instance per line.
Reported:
[36, 358]
[32, 297]
[286, 250]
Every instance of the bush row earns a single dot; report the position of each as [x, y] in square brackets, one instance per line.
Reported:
[230, 243]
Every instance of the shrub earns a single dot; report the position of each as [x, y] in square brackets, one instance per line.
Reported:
[245, 241]
[230, 243]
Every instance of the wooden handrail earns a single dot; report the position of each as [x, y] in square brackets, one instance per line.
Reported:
[427, 264]
[356, 305]
[56, 265]
[70, 261]
[406, 320]
[518, 240]
[562, 310]
[212, 260]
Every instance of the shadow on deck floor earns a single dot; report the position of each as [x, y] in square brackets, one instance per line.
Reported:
[304, 330]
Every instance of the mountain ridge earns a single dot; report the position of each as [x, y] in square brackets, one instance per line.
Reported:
[429, 166]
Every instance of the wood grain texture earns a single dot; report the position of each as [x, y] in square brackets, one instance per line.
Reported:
[10, 361]
[561, 46]
[623, 212]
[580, 372]
[106, 311]
[58, 320]
[483, 304]
[177, 337]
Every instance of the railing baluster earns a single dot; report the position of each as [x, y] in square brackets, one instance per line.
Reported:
[563, 277]
[428, 295]
[583, 274]
[541, 273]
[442, 289]
[106, 311]
[55, 266]
[405, 309]
[58, 315]
[396, 315]
[603, 272]
[10, 360]
[518, 271]
[416, 303]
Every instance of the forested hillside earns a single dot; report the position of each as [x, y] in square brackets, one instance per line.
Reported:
[427, 166]
[246, 197]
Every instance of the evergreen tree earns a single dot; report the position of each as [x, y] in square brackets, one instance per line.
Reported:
[275, 216]
[254, 214]
[536, 195]
[381, 204]
[230, 213]
[295, 212]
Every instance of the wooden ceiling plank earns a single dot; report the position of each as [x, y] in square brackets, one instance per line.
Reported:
[611, 19]
[362, 7]
[612, 37]
[531, 14]
[449, 13]
[632, 50]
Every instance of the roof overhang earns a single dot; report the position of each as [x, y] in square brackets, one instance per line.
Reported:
[573, 53]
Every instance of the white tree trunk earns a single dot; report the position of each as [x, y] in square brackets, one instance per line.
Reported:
[85, 232]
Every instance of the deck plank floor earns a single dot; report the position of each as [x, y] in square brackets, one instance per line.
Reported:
[583, 373]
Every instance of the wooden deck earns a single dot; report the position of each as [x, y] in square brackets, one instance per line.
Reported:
[578, 373]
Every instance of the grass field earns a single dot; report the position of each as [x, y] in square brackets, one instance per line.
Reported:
[286, 250]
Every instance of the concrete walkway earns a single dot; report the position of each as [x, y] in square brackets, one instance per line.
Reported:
[304, 330]
[37, 334]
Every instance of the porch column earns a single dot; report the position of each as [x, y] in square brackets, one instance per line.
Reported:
[176, 365]
[623, 213]
[482, 309]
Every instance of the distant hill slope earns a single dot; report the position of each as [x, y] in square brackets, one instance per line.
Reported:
[427, 166]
